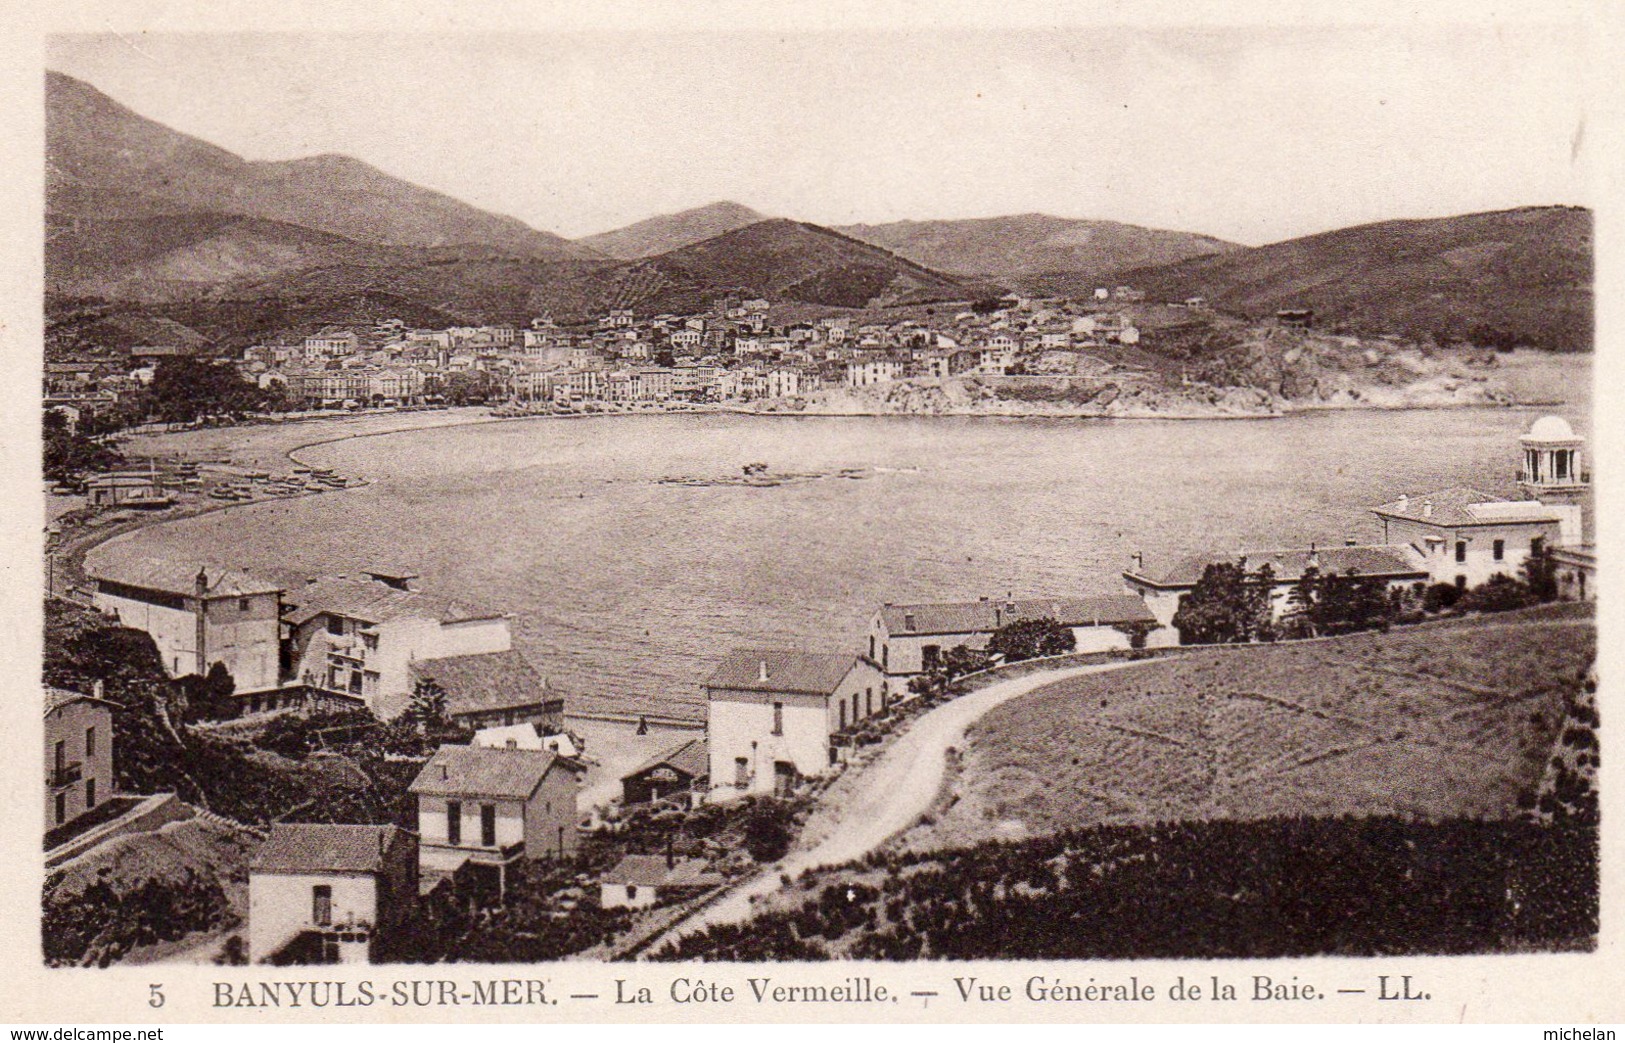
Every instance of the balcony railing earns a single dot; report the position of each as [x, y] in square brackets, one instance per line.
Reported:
[66, 775]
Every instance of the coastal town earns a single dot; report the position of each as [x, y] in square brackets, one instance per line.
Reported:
[1105, 354]
[494, 771]
[710, 498]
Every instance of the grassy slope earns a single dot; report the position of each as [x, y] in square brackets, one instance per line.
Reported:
[1516, 276]
[1437, 722]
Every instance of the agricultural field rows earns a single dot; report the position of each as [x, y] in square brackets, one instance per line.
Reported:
[1437, 723]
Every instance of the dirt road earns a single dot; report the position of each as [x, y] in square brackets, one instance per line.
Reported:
[891, 795]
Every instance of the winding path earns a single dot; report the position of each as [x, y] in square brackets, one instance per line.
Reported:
[893, 792]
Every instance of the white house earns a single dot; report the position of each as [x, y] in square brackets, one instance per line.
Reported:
[774, 717]
[198, 615]
[321, 893]
[908, 640]
[362, 636]
[78, 754]
[331, 344]
[1465, 536]
[486, 808]
[1164, 589]
[642, 881]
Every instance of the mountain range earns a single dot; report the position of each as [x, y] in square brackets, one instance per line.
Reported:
[144, 220]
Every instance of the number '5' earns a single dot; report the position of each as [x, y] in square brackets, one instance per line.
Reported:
[156, 998]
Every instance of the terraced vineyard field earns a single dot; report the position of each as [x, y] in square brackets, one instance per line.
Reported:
[1436, 722]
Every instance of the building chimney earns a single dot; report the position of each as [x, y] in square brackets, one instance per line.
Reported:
[761, 674]
[1404, 501]
[1427, 508]
[671, 853]
[96, 688]
[202, 581]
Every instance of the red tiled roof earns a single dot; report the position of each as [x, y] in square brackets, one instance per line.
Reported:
[688, 757]
[323, 848]
[970, 617]
[652, 871]
[815, 673]
[1463, 506]
[485, 682]
[1289, 565]
[478, 771]
[56, 698]
[176, 577]
[374, 602]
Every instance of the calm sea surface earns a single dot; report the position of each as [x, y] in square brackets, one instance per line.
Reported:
[619, 583]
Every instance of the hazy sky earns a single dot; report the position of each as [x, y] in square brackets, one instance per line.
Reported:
[1253, 135]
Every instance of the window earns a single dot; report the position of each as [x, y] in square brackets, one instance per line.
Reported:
[885, 655]
[868, 701]
[335, 625]
[370, 641]
[61, 807]
[454, 822]
[631, 892]
[242, 604]
[321, 905]
[843, 713]
[871, 646]
[778, 718]
[1537, 544]
[90, 743]
[1461, 550]
[488, 825]
[930, 657]
[1500, 549]
[61, 756]
[90, 794]
[741, 772]
[1461, 582]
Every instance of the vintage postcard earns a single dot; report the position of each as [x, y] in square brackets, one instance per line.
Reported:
[746, 518]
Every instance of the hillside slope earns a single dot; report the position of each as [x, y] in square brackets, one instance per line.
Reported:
[1504, 277]
[667, 232]
[804, 262]
[106, 162]
[1016, 247]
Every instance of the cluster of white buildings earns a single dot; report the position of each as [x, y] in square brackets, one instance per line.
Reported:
[729, 353]
[363, 640]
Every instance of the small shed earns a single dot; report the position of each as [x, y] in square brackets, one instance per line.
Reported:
[681, 769]
[641, 881]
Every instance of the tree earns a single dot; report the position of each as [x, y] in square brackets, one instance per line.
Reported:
[187, 389]
[1228, 605]
[427, 710]
[209, 698]
[1302, 618]
[71, 454]
[1539, 573]
[1031, 639]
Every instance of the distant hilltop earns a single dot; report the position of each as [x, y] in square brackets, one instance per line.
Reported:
[149, 223]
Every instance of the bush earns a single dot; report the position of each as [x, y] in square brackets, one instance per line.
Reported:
[1441, 597]
[1498, 594]
[769, 831]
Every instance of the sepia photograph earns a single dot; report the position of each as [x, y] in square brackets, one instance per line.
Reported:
[1108, 493]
